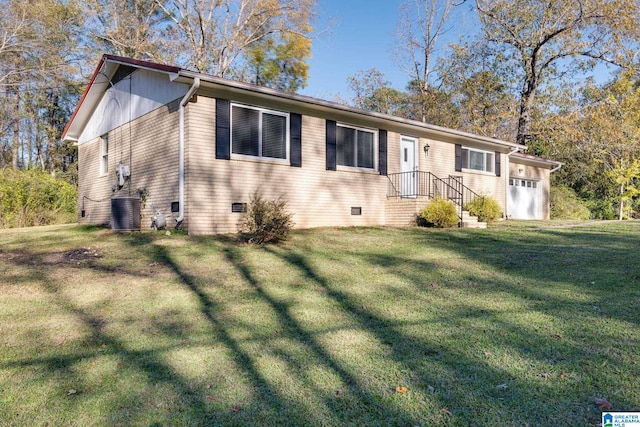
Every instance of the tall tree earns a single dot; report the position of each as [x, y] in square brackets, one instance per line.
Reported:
[372, 92]
[278, 62]
[550, 37]
[421, 24]
[36, 56]
[480, 84]
[130, 28]
[215, 36]
[599, 140]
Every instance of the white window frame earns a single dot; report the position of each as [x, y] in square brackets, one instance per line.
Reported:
[528, 183]
[374, 134]
[484, 153]
[104, 155]
[262, 111]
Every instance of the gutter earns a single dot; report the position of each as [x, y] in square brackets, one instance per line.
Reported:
[183, 103]
[506, 182]
[556, 168]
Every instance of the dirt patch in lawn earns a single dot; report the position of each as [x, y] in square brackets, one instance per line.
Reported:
[69, 257]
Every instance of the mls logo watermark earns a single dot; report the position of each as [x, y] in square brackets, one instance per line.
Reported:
[621, 419]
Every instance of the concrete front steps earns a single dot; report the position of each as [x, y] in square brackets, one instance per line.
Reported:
[469, 221]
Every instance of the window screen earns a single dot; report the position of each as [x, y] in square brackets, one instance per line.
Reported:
[258, 132]
[355, 147]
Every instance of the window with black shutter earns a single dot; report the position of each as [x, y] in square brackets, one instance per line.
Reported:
[258, 132]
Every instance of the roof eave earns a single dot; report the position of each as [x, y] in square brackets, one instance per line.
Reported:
[328, 106]
[92, 94]
[536, 161]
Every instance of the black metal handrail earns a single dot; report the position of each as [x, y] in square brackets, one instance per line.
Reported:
[425, 184]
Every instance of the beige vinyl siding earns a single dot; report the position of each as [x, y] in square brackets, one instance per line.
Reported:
[94, 188]
[315, 196]
[149, 146]
[441, 162]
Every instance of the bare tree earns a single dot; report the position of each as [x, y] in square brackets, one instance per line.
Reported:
[130, 28]
[213, 36]
[422, 23]
[36, 38]
[547, 38]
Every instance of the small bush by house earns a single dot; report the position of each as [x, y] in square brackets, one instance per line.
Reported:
[266, 221]
[439, 213]
[485, 208]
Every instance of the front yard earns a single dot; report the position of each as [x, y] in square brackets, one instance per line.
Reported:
[508, 326]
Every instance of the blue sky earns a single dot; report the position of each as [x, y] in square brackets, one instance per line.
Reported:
[360, 36]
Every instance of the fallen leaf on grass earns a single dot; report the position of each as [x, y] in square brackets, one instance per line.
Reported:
[446, 412]
[71, 392]
[339, 392]
[502, 387]
[603, 404]
[563, 375]
[543, 375]
[558, 336]
[401, 389]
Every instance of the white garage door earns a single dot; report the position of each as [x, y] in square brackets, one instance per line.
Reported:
[524, 199]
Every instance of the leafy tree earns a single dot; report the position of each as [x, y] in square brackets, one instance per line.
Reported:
[373, 93]
[548, 39]
[599, 141]
[278, 63]
[216, 37]
[480, 85]
[433, 105]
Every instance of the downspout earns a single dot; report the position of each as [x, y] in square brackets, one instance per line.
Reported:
[183, 103]
[506, 183]
[556, 168]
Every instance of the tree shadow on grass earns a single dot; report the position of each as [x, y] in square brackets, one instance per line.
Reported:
[374, 413]
[465, 383]
[543, 349]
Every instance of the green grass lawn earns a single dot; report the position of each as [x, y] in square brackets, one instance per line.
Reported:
[509, 326]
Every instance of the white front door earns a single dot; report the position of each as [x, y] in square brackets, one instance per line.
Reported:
[408, 167]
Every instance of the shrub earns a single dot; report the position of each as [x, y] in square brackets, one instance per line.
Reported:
[34, 197]
[601, 208]
[439, 213]
[265, 221]
[485, 208]
[565, 204]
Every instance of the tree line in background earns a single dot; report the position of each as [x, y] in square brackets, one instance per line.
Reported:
[521, 77]
[527, 77]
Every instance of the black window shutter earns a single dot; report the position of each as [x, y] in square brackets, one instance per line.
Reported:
[295, 133]
[497, 163]
[223, 129]
[331, 145]
[458, 158]
[382, 152]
